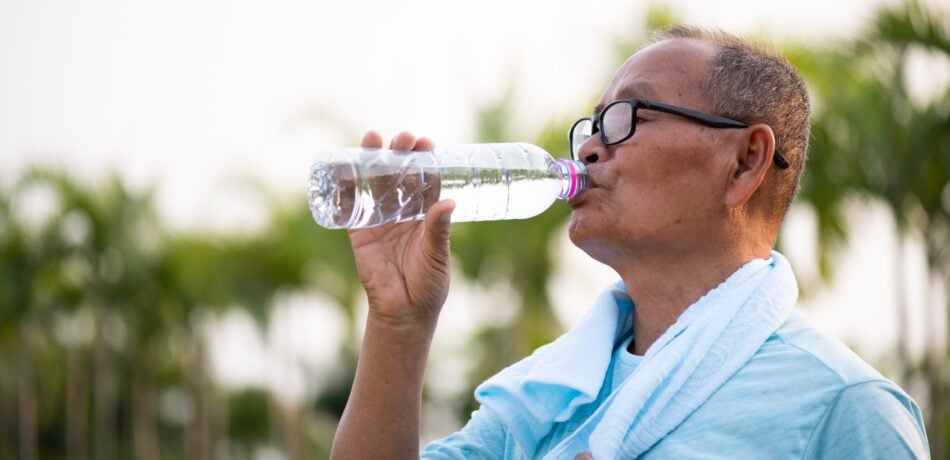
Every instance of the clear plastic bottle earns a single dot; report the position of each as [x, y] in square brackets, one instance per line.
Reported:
[357, 188]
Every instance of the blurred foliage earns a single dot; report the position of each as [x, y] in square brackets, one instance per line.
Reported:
[102, 308]
[872, 140]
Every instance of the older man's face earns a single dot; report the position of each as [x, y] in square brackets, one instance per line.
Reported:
[661, 189]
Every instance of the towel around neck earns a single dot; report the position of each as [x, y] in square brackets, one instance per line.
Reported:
[708, 343]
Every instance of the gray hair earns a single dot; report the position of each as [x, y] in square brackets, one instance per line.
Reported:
[755, 84]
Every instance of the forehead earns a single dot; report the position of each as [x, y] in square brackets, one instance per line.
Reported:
[670, 71]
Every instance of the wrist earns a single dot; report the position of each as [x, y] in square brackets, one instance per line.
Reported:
[407, 329]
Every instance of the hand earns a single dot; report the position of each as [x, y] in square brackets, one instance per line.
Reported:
[584, 456]
[404, 267]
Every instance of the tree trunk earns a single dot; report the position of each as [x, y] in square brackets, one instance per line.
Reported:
[197, 430]
[144, 428]
[8, 409]
[221, 427]
[290, 416]
[77, 407]
[106, 391]
[905, 369]
[26, 404]
[935, 357]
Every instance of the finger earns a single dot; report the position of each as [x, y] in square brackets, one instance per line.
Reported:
[372, 140]
[584, 456]
[440, 212]
[438, 223]
[424, 144]
[403, 142]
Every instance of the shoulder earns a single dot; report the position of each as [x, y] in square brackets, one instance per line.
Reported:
[799, 358]
[864, 414]
[798, 342]
[870, 419]
[799, 364]
[803, 390]
[483, 437]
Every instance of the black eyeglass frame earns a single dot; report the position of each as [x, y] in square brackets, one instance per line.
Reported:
[707, 119]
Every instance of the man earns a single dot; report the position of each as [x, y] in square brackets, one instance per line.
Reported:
[694, 154]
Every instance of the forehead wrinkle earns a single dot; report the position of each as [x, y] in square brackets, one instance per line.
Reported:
[637, 89]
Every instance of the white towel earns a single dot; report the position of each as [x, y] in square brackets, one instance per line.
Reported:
[710, 341]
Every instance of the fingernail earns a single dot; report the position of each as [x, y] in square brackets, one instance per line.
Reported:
[446, 218]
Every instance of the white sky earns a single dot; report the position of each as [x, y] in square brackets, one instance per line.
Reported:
[190, 93]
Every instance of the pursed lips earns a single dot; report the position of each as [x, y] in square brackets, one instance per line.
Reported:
[578, 199]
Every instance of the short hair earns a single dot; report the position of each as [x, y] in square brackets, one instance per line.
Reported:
[755, 84]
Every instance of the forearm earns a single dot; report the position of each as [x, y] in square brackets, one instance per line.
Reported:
[383, 412]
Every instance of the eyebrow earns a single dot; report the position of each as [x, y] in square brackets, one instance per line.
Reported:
[637, 89]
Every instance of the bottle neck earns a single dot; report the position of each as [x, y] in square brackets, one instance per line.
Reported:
[573, 177]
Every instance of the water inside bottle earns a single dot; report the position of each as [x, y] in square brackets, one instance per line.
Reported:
[493, 194]
[347, 195]
[354, 189]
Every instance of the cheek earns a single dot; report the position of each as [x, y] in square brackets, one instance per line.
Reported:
[659, 196]
[643, 186]
[668, 174]
[643, 165]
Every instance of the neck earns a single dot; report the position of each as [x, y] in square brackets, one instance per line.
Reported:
[663, 284]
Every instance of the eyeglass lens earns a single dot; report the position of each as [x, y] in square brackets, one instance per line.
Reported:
[581, 131]
[616, 122]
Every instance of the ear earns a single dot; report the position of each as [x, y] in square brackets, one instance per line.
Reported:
[753, 161]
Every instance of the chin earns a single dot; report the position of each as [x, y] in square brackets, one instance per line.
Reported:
[585, 239]
[576, 231]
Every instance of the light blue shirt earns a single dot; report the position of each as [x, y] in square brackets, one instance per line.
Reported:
[802, 395]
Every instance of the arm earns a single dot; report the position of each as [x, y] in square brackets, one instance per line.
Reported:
[404, 269]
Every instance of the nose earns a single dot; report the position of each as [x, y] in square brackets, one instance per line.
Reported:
[592, 151]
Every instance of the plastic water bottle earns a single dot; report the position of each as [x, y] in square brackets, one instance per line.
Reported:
[358, 188]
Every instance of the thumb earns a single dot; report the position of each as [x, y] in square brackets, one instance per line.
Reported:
[438, 223]
[584, 456]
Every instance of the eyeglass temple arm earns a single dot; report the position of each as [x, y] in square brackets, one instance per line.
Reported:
[713, 120]
[709, 119]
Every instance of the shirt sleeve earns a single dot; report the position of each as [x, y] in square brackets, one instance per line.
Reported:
[483, 437]
[870, 420]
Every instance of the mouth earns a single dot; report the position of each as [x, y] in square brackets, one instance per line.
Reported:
[581, 197]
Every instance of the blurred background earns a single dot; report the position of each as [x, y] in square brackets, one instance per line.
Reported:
[165, 294]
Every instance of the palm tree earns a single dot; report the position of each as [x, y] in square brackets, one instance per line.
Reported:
[872, 140]
[99, 268]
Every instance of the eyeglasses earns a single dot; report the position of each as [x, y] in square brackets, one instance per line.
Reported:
[618, 121]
